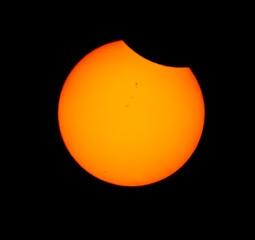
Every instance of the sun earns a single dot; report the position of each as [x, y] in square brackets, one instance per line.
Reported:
[129, 121]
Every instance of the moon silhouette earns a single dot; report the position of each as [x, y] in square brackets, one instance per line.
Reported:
[127, 120]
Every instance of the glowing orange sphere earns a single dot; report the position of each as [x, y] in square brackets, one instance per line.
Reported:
[129, 121]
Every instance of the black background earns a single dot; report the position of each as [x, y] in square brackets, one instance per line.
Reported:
[48, 194]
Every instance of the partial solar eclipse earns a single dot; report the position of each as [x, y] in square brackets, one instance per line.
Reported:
[129, 121]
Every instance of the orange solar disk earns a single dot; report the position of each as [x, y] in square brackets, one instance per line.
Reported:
[129, 121]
